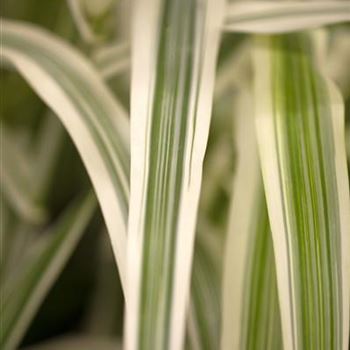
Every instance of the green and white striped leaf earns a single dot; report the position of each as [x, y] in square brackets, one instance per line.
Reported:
[79, 16]
[90, 18]
[300, 128]
[15, 235]
[97, 123]
[336, 64]
[284, 16]
[250, 310]
[22, 295]
[174, 48]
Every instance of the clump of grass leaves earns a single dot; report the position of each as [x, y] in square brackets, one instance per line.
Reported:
[211, 136]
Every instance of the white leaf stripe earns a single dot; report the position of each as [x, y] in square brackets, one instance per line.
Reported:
[96, 122]
[21, 299]
[303, 174]
[286, 16]
[174, 53]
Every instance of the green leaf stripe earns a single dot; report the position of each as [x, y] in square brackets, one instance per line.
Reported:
[167, 140]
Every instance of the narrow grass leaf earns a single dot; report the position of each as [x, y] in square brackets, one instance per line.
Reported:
[203, 324]
[174, 49]
[45, 154]
[80, 19]
[97, 123]
[284, 16]
[300, 128]
[26, 171]
[16, 179]
[250, 310]
[23, 294]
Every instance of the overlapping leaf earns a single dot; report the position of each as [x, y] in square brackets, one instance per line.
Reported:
[204, 308]
[15, 180]
[300, 128]
[95, 121]
[284, 16]
[23, 293]
[250, 311]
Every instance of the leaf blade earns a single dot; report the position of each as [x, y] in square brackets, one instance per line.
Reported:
[96, 122]
[250, 310]
[304, 175]
[271, 17]
[165, 176]
[22, 296]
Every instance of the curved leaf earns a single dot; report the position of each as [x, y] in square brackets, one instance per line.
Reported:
[96, 122]
[174, 53]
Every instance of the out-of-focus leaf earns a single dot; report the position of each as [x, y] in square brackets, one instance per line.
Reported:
[250, 310]
[79, 342]
[112, 60]
[24, 291]
[336, 63]
[204, 307]
[27, 171]
[77, 11]
[284, 16]
[16, 179]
